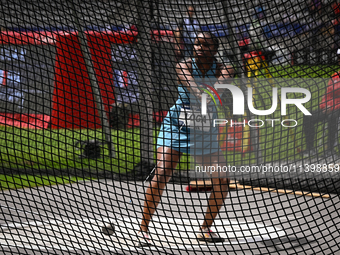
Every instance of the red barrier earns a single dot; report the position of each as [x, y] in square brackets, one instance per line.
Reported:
[134, 119]
[35, 121]
[73, 101]
[44, 37]
[234, 139]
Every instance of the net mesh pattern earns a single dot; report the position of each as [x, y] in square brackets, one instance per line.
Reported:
[97, 158]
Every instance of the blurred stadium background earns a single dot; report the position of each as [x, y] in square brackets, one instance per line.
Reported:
[53, 133]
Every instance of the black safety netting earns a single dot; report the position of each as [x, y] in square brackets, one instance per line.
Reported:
[167, 127]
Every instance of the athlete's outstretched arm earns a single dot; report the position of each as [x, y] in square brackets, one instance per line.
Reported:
[183, 70]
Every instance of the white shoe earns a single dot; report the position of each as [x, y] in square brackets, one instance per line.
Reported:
[143, 239]
[207, 235]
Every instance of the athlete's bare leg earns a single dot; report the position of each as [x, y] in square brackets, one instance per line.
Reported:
[167, 160]
[216, 200]
[220, 187]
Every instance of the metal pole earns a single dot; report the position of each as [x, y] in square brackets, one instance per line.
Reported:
[93, 80]
[144, 17]
[232, 39]
[254, 136]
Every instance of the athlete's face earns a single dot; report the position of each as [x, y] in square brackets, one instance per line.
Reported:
[191, 11]
[204, 47]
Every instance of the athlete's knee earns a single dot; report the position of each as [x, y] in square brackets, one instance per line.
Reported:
[227, 180]
[162, 174]
[222, 182]
[225, 183]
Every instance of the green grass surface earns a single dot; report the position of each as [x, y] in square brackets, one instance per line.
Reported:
[55, 149]
[29, 181]
[319, 71]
